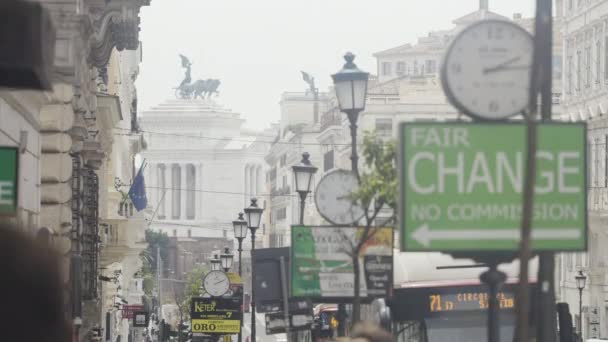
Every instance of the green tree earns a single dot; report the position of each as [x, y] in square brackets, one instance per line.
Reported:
[154, 240]
[378, 186]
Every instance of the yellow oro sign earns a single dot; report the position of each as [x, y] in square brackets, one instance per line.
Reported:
[216, 326]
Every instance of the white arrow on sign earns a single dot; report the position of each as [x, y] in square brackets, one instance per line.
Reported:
[424, 235]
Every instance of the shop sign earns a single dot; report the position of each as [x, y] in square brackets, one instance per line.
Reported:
[462, 184]
[221, 315]
[140, 319]
[322, 268]
[9, 171]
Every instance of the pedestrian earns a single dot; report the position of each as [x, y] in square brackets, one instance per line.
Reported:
[370, 332]
[32, 306]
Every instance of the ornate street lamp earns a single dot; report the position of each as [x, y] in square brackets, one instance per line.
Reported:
[254, 217]
[240, 233]
[226, 259]
[303, 173]
[351, 90]
[216, 263]
[581, 280]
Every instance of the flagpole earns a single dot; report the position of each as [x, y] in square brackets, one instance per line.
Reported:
[157, 207]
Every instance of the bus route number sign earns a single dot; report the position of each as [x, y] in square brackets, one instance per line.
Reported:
[461, 186]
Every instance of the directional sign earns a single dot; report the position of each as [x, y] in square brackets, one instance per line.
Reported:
[461, 186]
[9, 169]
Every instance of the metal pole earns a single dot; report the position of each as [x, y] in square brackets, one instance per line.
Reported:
[302, 205]
[159, 266]
[240, 240]
[354, 157]
[580, 314]
[285, 296]
[493, 278]
[544, 49]
[252, 288]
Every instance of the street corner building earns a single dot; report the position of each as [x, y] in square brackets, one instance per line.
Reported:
[70, 143]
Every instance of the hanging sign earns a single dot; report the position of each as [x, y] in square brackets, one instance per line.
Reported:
[9, 171]
[322, 268]
[461, 186]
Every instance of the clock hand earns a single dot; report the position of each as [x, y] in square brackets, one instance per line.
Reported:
[502, 66]
[219, 282]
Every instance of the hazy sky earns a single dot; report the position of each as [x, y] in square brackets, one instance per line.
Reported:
[258, 47]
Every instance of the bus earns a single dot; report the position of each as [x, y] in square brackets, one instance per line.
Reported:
[439, 298]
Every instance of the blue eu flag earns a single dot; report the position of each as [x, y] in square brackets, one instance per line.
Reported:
[137, 193]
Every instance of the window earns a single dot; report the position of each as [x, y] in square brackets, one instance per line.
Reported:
[598, 62]
[606, 58]
[328, 160]
[579, 74]
[401, 68]
[431, 66]
[415, 68]
[284, 182]
[191, 194]
[588, 67]
[176, 182]
[384, 127]
[557, 67]
[569, 76]
[386, 68]
[163, 190]
[283, 160]
[281, 214]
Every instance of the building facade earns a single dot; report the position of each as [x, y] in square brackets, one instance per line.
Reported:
[585, 98]
[68, 150]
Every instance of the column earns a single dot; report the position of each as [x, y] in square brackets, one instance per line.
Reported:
[199, 195]
[252, 181]
[168, 191]
[183, 185]
[258, 180]
[152, 185]
[246, 185]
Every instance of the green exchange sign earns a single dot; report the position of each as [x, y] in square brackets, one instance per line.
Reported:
[9, 160]
[462, 186]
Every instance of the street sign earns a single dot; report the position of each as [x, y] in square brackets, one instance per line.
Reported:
[9, 171]
[216, 315]
[322, 268]
[461, 187]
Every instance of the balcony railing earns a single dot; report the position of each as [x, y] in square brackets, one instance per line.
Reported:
[331, 118]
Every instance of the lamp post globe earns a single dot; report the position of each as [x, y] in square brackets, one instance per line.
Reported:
[303, 174]
[581, 280]
[351, 86]
[240, 227]
[216, 263]
[226, 259]
[254, 216]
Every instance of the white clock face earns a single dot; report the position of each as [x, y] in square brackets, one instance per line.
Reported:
[216, 283]
[333, 198]
[486, 70]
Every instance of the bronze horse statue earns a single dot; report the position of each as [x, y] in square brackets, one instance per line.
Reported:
[198, 89]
